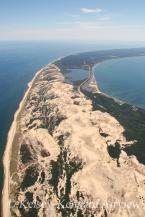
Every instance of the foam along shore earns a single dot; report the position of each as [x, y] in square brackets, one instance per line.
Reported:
[7, 153]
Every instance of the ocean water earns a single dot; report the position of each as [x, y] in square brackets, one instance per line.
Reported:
[123, 78]
[74, 75]
[19, 61]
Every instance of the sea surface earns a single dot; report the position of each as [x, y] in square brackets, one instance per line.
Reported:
[74, 75]
[123, 78]
[19, 61]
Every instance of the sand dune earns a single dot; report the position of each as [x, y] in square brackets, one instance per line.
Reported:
[62, 156]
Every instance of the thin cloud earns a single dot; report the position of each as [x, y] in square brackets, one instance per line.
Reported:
[72, 15]
[106, 18]
[90, 10]
[82, 31]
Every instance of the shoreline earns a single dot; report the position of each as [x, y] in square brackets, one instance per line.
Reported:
[88, 80]
[106, 94]
[115, 98]
[5, 203]
[7, 151]
[119, 101]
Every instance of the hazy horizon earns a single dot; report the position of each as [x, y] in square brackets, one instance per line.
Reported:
[78, 20]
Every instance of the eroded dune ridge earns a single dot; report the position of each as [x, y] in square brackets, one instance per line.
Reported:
[60, 162]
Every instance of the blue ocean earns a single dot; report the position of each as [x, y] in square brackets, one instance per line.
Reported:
[123, 79]
[19, 61]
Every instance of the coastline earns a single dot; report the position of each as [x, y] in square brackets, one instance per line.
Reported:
[7, 153]
[115, 97]
[90, 82]
[106, 94]
[5, 203]
[11, 133]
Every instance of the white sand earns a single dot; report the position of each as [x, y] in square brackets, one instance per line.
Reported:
[8, 148]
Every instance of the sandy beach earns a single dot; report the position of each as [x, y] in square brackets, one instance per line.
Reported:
[7, 153]
[90, 84]
[11, 134]
[85, 136]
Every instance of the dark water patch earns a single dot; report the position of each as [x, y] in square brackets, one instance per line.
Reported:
[76, 75]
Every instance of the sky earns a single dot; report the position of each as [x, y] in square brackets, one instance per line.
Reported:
[85, 20]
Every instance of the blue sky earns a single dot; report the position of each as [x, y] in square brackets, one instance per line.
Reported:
[92, 20]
